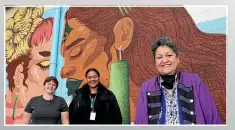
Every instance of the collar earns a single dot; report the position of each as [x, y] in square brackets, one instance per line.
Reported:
[160, 80]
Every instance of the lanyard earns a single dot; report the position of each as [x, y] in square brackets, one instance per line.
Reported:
[92, 102]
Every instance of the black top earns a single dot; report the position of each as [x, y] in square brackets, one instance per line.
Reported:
[93, 95]
[46, 111]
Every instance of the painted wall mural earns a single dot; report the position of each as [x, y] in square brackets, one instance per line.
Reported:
[28, 48]
[65, 42]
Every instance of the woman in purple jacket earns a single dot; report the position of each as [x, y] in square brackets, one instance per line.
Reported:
[174, 97]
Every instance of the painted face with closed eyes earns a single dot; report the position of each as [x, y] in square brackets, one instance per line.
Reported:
[38, 68]
[82, 48]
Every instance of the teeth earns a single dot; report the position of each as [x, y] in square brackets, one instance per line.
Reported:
[165, 65]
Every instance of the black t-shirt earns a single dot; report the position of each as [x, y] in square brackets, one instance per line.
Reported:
[46, 111]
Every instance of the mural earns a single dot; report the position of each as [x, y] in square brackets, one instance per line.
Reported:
[28, 46]
[115, 40]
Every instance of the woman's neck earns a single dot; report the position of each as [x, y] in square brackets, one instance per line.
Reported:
[94, 90]
[48, 96]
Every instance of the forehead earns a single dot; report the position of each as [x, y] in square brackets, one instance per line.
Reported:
[91, 73]
[51, 81]
[164, 49]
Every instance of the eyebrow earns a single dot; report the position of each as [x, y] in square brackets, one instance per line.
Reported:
[92, 76]
[166, 53]
[75, 42]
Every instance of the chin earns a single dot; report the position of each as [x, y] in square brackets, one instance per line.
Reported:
[93, 86]
[167, 73]
[50, 92]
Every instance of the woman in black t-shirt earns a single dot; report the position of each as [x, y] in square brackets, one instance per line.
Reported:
[47, 108]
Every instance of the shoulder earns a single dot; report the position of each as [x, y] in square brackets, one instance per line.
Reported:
[149, 85]
[61, 99]
[106, 93]
[189, 76]
[36, 98]
[83, 89]
[109, 92]
[190, 79]
[104, 90]
[149, 81]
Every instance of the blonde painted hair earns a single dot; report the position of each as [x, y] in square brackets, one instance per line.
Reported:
[19, 29]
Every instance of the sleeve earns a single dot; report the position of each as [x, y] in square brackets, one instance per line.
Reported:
[141, 108]
[115, 110]
[63, 105]
[207, 103]
[28, 107]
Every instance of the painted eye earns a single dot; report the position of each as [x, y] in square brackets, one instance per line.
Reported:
[44, 65]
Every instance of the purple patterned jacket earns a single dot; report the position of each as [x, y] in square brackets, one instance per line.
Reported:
[196, 103]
